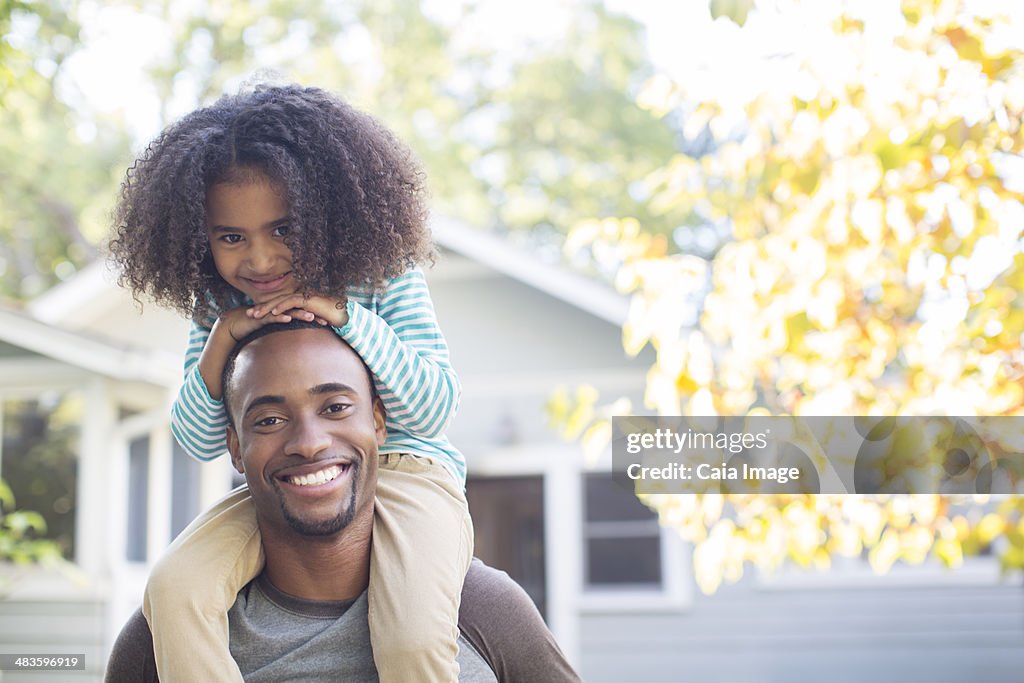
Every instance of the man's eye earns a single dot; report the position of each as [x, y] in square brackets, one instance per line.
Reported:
[337, 407]
[268, 421]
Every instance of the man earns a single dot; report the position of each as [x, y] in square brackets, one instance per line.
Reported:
[302, 409]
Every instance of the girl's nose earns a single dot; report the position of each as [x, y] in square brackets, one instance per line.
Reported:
[263, 257]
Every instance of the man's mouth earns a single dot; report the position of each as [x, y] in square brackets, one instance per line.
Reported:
[318, 477]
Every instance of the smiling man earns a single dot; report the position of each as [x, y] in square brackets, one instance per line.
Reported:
[305, 427]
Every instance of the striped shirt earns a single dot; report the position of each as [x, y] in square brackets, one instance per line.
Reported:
[395, 332]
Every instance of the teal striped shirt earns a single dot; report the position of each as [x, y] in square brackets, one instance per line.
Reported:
[396, 333]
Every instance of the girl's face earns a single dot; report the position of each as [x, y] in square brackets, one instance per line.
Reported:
[246, 223]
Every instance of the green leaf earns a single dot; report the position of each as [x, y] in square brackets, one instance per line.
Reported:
[737, 10]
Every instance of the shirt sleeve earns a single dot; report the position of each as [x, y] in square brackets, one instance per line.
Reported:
[403, 347]
[198, 421]
[500, 620]
[131, 657]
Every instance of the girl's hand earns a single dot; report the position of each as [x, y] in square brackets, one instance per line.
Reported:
[238, 323]
[230, 327]
[322, 309]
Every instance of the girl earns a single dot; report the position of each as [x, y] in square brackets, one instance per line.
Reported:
[287, 203]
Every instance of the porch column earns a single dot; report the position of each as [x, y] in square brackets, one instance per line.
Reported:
[564, 568]
[99, 417]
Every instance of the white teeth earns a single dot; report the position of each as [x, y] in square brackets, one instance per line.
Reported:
[320, 477]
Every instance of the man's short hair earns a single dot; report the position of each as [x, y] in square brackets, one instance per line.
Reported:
[294, 324]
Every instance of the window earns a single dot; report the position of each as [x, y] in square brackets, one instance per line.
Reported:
[138, 499]
[39, 445]
[184, 489]
[508, 521]
[621, 538]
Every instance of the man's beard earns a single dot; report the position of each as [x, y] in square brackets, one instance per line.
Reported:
[325, 527]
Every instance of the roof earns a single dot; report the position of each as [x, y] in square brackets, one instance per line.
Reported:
[556, 280]
[62, 322]
[93, 284]
[84, 291]
[85, 351]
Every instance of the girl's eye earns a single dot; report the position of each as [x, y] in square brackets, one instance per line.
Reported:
[281, 230]
[231, 238]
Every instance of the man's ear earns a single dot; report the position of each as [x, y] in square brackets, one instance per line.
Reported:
[378, 421]
[234, 449]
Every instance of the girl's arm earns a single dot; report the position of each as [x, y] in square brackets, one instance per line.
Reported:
[198, 418]
[198, 421]
[403, 347]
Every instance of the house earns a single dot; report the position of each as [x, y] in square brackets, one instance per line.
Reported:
[615, 587]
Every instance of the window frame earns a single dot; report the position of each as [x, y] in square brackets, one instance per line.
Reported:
[673, 593]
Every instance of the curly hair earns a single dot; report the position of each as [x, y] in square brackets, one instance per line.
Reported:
[356, 196]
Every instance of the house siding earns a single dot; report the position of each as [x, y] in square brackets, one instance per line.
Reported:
[512, 344]
[42, 625]
[842, 634]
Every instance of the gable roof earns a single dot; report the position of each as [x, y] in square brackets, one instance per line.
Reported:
[82, 294]
[93, 286]
[556, 280]
[85, 351]
[57, 323]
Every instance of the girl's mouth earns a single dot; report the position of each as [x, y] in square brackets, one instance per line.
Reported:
[268, 284]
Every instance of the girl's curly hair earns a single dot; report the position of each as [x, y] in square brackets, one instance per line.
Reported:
[356, 196]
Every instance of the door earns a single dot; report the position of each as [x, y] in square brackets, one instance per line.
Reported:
[508, 523]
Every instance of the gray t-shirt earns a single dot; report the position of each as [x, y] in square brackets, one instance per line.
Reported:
[278, 637]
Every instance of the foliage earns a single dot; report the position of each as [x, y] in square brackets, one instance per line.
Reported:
[532, 141]
[57, 181]
[20, 533]
[871, 183]
[39, 447]
[570, 135]
[737, 10]
[850, 206]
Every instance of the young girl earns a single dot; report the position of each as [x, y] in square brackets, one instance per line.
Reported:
[287, 203]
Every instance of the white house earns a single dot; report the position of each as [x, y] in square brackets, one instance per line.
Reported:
[615, 587]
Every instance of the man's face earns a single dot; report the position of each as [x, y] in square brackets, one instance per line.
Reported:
[305, 431]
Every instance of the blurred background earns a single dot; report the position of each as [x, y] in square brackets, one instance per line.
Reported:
[687, 207]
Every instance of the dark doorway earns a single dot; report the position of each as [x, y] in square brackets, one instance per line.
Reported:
[508, 521]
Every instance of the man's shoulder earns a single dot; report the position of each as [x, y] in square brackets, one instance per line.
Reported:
[131, 659]
[276, 636]
[497, 618]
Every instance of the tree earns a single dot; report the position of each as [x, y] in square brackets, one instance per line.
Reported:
[45, 186]
[871, 183]
[531, 141]
[570, 136]
[57, 180]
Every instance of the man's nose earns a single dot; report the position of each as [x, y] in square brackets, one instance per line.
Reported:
[307, 438]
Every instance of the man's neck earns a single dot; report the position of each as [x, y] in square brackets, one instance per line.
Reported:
[321, 568]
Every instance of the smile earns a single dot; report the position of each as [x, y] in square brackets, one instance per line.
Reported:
[319, 477]
[268, 284]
